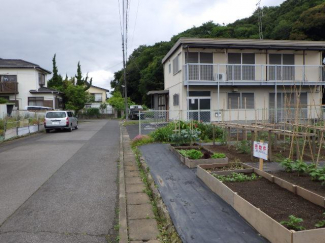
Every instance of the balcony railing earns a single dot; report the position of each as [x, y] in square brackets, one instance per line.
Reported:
[8, 87]
[237, 73]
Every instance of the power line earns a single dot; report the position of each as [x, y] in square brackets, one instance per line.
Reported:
[135, 23]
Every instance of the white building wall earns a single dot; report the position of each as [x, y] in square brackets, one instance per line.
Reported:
[27, 80]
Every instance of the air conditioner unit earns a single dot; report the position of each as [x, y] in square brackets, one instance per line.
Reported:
[220, 77]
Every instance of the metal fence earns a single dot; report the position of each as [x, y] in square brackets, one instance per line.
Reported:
[21, 123]
[153, 119]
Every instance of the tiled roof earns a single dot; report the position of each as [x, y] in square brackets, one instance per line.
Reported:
[45, 90]
[18, 63]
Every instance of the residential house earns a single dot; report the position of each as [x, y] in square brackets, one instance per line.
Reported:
[237, 79]
[99, 96]
[24, 84]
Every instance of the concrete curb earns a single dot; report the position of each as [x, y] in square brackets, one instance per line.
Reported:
[123, 229]
[162, 209]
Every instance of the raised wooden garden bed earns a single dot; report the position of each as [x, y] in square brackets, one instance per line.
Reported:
[192, 163]
[253, 200]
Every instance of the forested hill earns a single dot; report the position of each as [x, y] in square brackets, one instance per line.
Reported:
[293, 19]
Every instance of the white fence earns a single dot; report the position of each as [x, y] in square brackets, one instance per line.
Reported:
[21, 123]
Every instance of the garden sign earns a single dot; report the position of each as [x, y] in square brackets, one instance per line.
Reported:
[260, 150]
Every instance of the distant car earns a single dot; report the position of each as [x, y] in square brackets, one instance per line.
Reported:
[60, 120]
[134, 112]
[38, 108]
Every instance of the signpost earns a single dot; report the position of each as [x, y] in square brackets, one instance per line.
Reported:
[261, 152]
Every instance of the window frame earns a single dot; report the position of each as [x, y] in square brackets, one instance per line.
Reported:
[176, 99]
[241, 101]
[176, 64]
[35, 99]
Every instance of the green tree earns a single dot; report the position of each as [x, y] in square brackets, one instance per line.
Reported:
[76, 96]
[56, 80]
[118, 102]
[80, 81]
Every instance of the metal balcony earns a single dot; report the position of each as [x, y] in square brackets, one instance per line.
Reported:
[8, 87]
[237, 74]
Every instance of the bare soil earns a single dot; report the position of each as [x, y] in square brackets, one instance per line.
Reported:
[302, 180]
[231, 152]
[277, 202]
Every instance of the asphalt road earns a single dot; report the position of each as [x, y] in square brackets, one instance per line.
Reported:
[60, 187]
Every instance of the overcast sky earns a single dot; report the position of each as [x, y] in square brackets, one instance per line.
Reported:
[89, 31]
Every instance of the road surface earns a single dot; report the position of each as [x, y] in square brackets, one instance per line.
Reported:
[60, 187]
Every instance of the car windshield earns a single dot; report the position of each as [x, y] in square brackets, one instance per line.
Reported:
[55, 115]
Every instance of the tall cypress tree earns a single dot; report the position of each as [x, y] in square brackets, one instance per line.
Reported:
[82, 81]
[56, 81]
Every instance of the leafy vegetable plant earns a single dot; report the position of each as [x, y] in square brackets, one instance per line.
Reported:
[300, 166]
[293, 223]
[191, 153]
[237, 177]
[321, 223]
[288, 164]
[218, 156]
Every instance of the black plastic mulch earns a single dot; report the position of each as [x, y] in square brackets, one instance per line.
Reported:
[198, 214]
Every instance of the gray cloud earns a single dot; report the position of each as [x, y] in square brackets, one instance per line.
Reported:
[89, 31]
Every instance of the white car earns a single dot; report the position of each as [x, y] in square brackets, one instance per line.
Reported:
[60, 120]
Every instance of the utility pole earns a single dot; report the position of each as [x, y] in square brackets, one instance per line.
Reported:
[124, 64]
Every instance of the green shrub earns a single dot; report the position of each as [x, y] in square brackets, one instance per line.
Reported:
[92, 112]
[191, 153]
[3, 100]
[218, 156]
[163, 134]
[293, 223]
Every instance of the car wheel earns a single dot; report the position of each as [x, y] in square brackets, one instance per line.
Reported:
[47, 130]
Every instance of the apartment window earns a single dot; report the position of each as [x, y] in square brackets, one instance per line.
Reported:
[37, 101]
[200, 65]
[241, 101]
[281, 67]
[241, 66]
[8, 78]
[41, 79]
[176, 99]
[169, 68]
[176, 64]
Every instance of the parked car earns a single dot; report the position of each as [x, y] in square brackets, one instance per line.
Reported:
[37, 108]
[60, 120]
[134, 112]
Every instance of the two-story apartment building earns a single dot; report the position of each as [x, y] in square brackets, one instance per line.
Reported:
[24, 83]
[214, 78]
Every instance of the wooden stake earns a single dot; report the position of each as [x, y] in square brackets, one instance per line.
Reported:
[261, 165]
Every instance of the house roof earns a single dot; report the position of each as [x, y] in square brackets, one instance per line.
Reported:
[18, 63]
[44, 90]
[246, 44]
[99, 88]
[157, 92]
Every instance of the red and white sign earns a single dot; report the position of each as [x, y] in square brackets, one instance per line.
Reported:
[260, 150]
